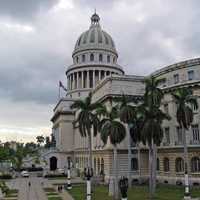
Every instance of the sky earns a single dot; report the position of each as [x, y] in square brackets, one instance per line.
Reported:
[37, 38]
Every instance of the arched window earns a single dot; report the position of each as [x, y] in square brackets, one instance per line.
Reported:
[91, 57]
[100, 57]
[134, 164]
[195, 164]
[179, 164]
[83, 58]
[98, 166]
[158, 164]
[108, 58]
[95, 165]
[102, 166]
[166, 164]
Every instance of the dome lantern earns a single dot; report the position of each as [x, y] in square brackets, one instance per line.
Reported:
[95, 19]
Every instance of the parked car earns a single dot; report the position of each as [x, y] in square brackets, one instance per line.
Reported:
[24, 174]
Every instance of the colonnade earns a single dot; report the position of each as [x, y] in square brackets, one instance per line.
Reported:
[86, 78]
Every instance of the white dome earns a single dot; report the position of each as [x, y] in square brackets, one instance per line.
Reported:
[95, 38]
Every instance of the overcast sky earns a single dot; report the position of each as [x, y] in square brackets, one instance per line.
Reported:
[37, 38]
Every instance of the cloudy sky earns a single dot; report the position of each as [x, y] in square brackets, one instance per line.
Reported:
[37, 38]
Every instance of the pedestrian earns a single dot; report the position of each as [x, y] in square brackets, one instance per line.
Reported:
[29, 184]
[61, 188]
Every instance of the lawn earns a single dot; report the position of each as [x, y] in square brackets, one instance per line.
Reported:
[163, 192]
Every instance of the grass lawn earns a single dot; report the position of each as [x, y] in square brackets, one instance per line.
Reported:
[163, 192]
[54, 198]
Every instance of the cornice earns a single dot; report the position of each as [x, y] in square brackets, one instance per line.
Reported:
[94, 65]
[179, 65]
[58, 113]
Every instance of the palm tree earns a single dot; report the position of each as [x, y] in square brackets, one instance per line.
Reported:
[87, 120]
[151, 131]
[184, 115]
[40, 139]
[113, 129]
[127, 114]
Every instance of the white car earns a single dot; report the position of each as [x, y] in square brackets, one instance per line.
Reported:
[24, 174]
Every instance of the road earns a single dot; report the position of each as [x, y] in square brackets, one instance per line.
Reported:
[33, 192]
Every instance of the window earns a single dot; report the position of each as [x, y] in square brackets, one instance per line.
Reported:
[166, 108]
[100, 58]
[166, 164]
[91, 57]
[194, 107]
[195, 164]
[114, 59]
[167, 135]
[195, 132]
[179, 135]
[158, 164]
[83, 58]
[176, 78]
[190, 75]
[179, 165]
[134, 164]
[77, 59]
[102, 166]
[108, 58]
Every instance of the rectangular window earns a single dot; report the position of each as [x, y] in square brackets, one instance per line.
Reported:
[179, 135]
[195, 132]
[190, 75]
[167, 135]
[176, 78]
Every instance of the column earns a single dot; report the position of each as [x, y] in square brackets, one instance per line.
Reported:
[99, 75]
[78, 81]
[70, 82]
[93, 78]
[82, 79]
[88, 80]
[68, 85]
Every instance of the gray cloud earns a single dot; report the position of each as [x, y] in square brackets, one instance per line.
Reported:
[24, 10]
[34, 57]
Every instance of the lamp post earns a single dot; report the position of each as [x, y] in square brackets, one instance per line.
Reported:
[88, 172]
[69, 185]
[123, 185]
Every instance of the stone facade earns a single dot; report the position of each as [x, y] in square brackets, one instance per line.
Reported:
[95, 70]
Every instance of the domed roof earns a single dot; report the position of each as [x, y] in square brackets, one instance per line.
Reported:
[95, 38]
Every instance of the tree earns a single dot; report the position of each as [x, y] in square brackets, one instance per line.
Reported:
[184, 115]
[111, 128]
[47, 142]
[87, 120]
[40, 139]
[127, 114]
[151, 131]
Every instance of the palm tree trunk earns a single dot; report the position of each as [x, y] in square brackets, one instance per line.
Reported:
[151, 171]
[116, 189]
[89, 171]
[90, 151]
[154, 166]
[129, 156]
[139, 163]
[187, 191]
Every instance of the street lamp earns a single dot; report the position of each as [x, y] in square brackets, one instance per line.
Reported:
[69, 185]
[123, 185]
[88, 172]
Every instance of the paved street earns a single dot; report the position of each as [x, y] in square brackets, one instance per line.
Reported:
[26, 192]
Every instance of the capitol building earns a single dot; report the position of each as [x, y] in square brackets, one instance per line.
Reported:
[95, 69]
